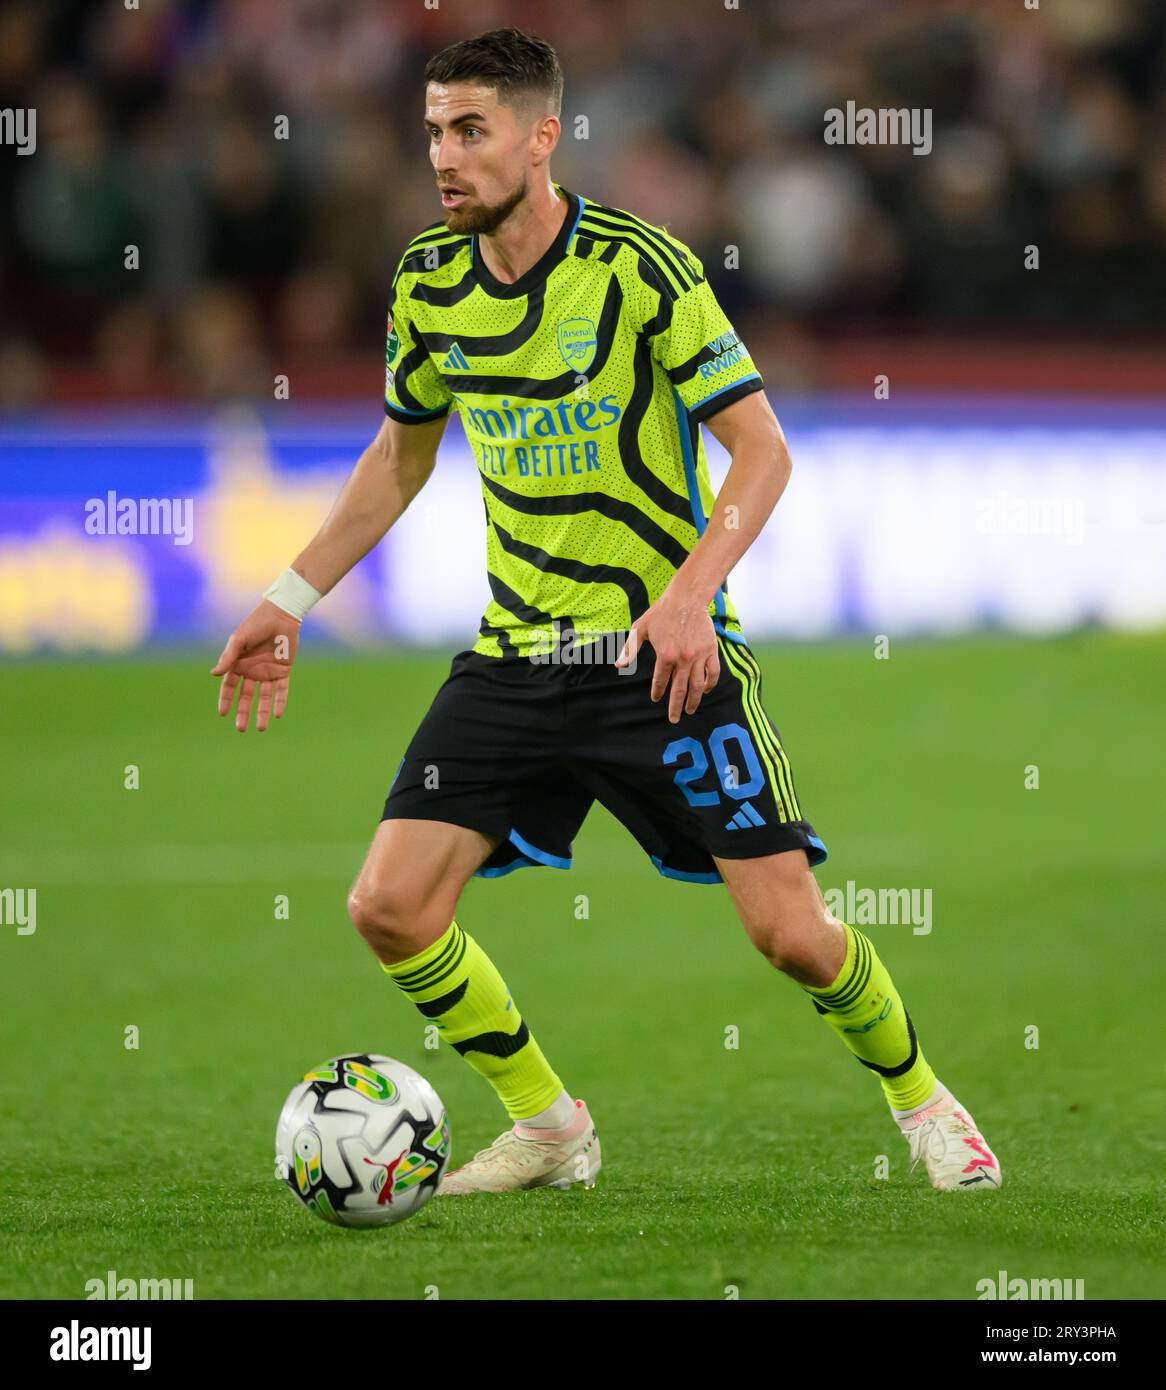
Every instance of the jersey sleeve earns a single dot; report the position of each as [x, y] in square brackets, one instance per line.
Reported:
[692, 339]
[415, 390]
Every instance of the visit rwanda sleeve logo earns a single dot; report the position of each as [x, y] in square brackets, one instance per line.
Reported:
[577, 343]
[727, 350]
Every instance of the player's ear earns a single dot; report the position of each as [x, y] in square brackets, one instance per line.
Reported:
[545, 131]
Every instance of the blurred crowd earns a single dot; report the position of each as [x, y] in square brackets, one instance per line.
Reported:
[157, 128]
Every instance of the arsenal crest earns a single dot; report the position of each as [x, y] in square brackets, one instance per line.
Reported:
[577, 343]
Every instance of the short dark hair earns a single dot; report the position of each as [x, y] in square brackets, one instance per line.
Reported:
[519, 65]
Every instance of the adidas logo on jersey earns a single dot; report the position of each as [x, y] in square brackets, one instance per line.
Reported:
[455, 360]
[745, 819]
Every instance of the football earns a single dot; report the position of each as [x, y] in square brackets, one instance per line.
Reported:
[362, 1141]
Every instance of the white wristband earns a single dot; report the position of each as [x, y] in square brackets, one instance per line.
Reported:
[293, 594]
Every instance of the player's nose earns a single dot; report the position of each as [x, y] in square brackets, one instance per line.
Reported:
[442, 155]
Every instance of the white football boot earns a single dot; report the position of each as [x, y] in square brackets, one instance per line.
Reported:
[524, 1157]
[956, 1155]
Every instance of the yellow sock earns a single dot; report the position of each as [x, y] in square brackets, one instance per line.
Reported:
[454, 984]
[863, 1007]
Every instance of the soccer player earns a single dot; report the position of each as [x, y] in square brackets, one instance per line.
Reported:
[584, 349]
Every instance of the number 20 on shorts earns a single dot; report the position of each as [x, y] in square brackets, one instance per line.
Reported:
[727, 768]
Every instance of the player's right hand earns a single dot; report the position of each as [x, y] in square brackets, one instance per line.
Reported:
[259, 653]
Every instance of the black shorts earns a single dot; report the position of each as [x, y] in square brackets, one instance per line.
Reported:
[521, 749]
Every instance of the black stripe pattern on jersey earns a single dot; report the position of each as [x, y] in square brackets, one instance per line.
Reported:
[629, 439]
[501, 636]
[625, 579]
[421, 257]
[675, 267]
[506, 597]
[528, 388]
[572, 503]
[413, 359]
[484, 344]
[662, 318]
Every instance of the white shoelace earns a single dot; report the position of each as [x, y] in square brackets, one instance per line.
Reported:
[924, 1137]
[528, 1151]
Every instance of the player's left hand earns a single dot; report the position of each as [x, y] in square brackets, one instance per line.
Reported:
[682, 636]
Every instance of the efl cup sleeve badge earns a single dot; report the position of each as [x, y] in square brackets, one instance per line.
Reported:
[392, 347]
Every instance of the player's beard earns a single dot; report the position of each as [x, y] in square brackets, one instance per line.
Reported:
[484, 218]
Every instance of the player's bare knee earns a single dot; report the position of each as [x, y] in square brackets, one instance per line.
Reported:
[396, 918]
[806, 945]
[796, 954]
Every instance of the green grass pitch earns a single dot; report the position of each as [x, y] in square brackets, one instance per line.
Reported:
[752, 1167]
